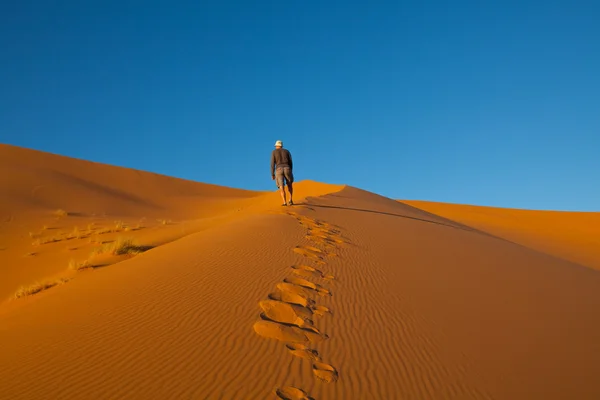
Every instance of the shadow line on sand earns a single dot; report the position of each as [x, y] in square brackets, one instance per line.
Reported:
[456, 225]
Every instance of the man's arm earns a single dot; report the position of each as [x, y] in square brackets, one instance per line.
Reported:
[272, 164]
[291, 163]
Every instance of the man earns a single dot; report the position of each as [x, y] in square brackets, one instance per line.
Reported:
[281, 170]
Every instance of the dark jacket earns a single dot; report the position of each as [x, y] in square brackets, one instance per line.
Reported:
[281, 158]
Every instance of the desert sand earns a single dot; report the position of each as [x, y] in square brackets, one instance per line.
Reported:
[228, 295]
[573, 236]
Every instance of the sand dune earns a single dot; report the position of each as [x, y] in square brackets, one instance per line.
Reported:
[348, 295]
[51, 207]
[573, 236]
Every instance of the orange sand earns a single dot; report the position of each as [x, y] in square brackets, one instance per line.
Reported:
[348, 295]
[573, 236]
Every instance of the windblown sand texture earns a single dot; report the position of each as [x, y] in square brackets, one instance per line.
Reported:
[347, 295]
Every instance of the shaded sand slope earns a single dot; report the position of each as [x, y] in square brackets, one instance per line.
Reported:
[574, 236]
[35, 243]
[32, 181]
[420, 308]
[456, 313]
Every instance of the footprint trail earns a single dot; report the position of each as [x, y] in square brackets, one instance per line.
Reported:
[288, 313]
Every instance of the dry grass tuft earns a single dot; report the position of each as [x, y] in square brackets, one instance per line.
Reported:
[75, 234]
[60, 213]
[119, 225]
[121, 246]
[38, 287]
[47, 240]
[78, 266]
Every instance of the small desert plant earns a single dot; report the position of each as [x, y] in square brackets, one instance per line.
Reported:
[45, 228]
[74, 234]
[31, 254]
[38, 287]
[46, 240]
[78, 266]
[60, 213]
[119, 225]
[121, 246]
[103, 231]
[34, 235]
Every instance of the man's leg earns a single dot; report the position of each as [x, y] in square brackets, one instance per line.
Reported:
[280, 179]
[291, 190]
[289, 177]
[282, 191]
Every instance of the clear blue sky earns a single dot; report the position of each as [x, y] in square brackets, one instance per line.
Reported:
[478, 102]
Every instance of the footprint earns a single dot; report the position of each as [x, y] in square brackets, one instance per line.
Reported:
[305, 270]
[320, 310]
[301, 272]
[313, 334]
[309, 285]
[328, 245]
[324, 236]
[292, 298]
[308, 252]
[288, 313]
[313, 249]
[329, 234]
[308, 272]
[281, 332]
[323, 239]
[291, 288]
[305, 221]
[287, 332]
[325, 372]
[292, 393]
[301, 282]
[303, 351]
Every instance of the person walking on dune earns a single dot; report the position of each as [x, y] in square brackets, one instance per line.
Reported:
[281, 171]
